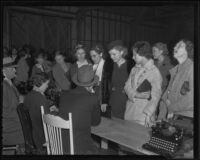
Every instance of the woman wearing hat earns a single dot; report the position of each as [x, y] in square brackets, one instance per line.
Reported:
[12, 130]
[84, 106]
[120, 72]
[162, 61]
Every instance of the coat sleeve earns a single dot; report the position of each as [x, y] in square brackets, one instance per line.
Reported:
[156, 82]
[130, 91]
[186, 102]
[96, 114]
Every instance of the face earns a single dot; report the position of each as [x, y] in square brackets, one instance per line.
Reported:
[40, 60]
[80, 54]
[156, 52]
[10, 72]
[179, 50]
[44, 86]
[115, 55]
[59, 59]
[138, 59]
[95, 56]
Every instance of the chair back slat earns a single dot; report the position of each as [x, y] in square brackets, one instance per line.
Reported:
[54, 126]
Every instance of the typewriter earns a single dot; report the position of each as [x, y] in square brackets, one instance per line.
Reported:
[165, 140]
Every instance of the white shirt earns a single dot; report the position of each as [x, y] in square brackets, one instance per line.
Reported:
[98, 68]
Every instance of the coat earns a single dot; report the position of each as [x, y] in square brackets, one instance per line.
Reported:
[85, 111]
[180, 103]
[136, 108]
[62, 80]
[12, 130]
[33, 102]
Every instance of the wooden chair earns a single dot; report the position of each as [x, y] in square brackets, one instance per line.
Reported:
[52, 129]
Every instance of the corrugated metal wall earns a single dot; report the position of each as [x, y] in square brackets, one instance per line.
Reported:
[103, 27]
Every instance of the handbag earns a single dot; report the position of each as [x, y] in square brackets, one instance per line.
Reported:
[145, 86]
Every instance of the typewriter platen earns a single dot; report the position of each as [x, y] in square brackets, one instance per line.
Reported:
[165, 139]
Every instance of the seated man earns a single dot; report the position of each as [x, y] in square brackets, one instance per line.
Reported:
[12, 131]
[178, 97]
[85, 109]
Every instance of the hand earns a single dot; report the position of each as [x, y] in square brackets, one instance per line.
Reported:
[147, 121]
[170, 115]
[103, 107]
[53, 108]
[21, 99]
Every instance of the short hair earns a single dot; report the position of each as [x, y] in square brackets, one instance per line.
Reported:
[39, 79]
[118, 45]
[189, 47]
[40, 53]
[143, 48]
[59, 53]
[22, 53]
[79, 46]
[162, 46]
[98, 48]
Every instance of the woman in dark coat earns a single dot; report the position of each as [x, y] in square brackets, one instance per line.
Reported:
[33, 101]
[120, 72]
[103, 69]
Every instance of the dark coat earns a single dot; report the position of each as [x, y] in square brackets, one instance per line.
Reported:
[85, 113]
[12, 130]
[107, 78]
[33, 102]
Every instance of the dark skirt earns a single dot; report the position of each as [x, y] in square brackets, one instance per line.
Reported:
[118, 103]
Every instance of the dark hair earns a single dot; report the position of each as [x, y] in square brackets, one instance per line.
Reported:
[40, 53]
[189, 47]
[143, 48]
[79, 46]
[39, 79]
[56, 53]
[161, 46]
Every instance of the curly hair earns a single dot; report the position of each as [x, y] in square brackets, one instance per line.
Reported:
[143, 48]
[39, 79]
[98, 48]
[189, 47]
[79, 46]
[162, 46]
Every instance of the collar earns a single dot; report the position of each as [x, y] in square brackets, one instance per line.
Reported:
[183, 65]
[149, 65]
[81, 63]
[9, 81]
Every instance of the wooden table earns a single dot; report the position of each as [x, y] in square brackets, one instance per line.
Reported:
[122, 132]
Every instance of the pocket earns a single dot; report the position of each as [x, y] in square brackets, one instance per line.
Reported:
[185, 88]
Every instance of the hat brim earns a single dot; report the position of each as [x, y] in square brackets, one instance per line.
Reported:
[75, 80]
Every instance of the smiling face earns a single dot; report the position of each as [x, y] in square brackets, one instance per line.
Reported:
[116, 55]
[156, 52]
[95, 56]
[180, 50]
[80, 54]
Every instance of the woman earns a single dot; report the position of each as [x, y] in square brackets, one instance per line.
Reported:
[61, 72]
[163, 62]
[80, 54]
[143, 86]
[42, 65]
[120, 72]
[33, 101]
[102, 69]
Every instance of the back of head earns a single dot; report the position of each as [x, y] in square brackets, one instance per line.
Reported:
[161, 46]
[143, 48]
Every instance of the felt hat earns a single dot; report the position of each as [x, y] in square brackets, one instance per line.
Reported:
[85, 76]
[8, 62]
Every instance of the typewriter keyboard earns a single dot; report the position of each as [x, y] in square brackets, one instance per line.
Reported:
[160, 146]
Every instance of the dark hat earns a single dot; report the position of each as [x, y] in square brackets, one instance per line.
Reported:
[115, 43]
[85, 76]
[8, 62]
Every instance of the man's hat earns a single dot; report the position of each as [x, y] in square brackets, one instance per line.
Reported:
[115, 43]
[85, 76]
[8, 62]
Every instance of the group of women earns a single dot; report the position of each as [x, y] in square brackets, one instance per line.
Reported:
[131, 86]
